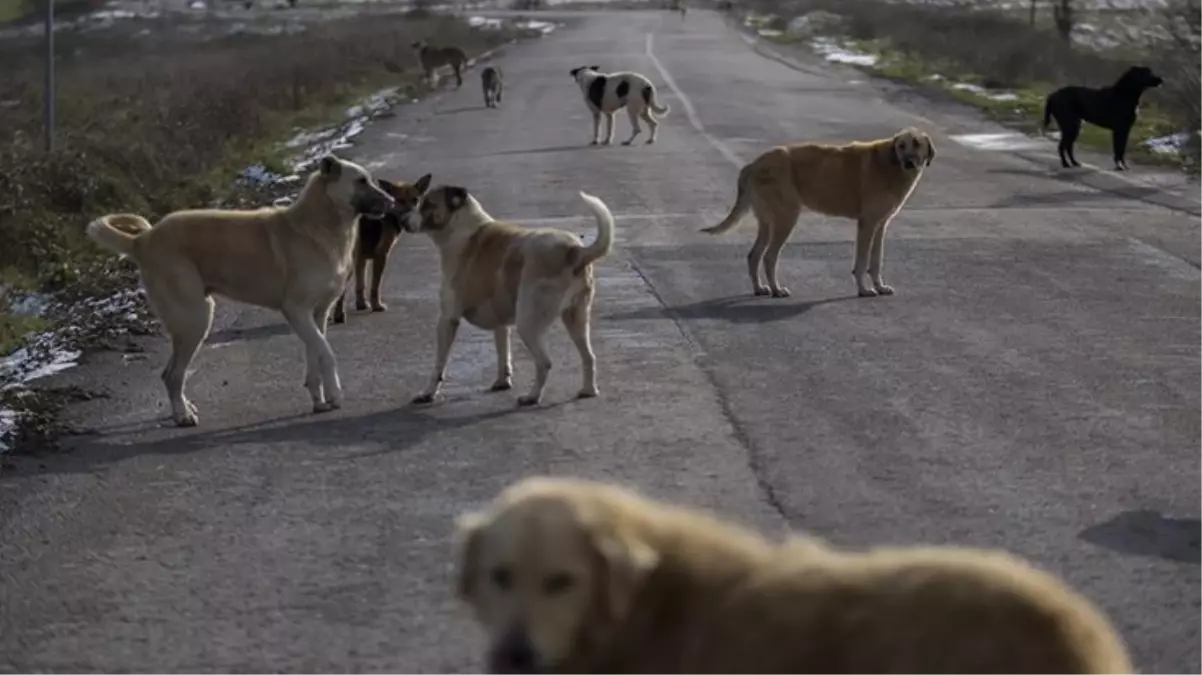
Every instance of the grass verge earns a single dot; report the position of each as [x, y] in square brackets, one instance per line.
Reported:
[154, 125]
[977, 54]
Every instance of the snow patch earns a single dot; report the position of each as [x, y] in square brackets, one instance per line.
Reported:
[837, 53]
[991, 94]
[1168, 145]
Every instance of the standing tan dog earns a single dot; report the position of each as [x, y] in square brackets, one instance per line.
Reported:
[433, 58]
[867, 182]
[494, 86]
[293, 259]
[376, 239]
[497, 274]
[573, 576]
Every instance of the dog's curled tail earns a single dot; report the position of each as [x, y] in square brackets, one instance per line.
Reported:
[740, 209]
[604, 242]
[651, 98]
[118, 232]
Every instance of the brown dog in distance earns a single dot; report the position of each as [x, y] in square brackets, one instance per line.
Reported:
[573, 576]
[867, 182]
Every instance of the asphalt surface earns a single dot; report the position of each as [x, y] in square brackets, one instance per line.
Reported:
[1034, 385]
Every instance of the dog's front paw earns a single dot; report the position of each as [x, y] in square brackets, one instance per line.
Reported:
[188, 419]
[594, 142]
[378, 306]
[867, 293]
[324, 407]
[527, 401]
[588, 392]
[650, 141]
[423, 399]
[761, 290]
[501, 385]
[360, 304]
[884, 289]
[780, 292]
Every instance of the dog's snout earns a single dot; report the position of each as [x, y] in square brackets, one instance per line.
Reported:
[513, 653]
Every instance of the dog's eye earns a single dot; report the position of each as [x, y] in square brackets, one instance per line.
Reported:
[502, 578]
[557, 583]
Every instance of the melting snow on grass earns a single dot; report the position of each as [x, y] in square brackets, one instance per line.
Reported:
[991, 94]
[1168, 145]
[837, 53]
[48, 352]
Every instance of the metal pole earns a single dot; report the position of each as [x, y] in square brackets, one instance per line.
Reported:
[49, 96]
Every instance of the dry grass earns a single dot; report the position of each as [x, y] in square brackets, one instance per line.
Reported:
[999, 49]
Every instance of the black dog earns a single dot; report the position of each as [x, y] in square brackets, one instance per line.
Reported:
[1112, 108]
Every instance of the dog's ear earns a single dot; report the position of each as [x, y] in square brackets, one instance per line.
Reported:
[423, 184]
[467, 531]
[329, 166]
[573, 71]
[595, 69]
[456, 197]
[930, 145]
[623, 562]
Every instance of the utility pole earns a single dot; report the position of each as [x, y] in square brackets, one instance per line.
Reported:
[49, 96]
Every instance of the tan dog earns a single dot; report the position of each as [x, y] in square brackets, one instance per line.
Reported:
[574, 576]
[293, 259]
[377, 236]
[868, 182]
[433, 58]
[497, 275]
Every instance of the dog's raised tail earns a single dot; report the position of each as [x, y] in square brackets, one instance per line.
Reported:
[1047, 116]
[604, 242]
[651, 98]
[740, 209]
[118, 232]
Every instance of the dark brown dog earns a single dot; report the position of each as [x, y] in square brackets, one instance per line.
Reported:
[376, 239]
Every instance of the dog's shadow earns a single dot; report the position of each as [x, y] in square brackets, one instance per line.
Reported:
[1149, 533]
[548, 149]
[382, 432]
[456, 111]
[738, 309]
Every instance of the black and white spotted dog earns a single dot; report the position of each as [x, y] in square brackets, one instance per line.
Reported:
[606, 93]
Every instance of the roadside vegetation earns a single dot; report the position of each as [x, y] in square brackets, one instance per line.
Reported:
[151, 119]
[1006, 57]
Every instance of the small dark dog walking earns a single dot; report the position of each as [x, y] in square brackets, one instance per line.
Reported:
[493, 86]
[1114, 108]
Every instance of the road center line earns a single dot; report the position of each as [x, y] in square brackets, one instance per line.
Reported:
[689, 110]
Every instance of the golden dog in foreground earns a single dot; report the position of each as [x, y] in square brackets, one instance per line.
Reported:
[868, 182]
[581, 577]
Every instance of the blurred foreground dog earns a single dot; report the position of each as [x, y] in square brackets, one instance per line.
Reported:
[490, 78]
[606, 93]
[376, 239]
[572, 576]
[292, 259]
[433, 58]
[868, 182]
[497, 274]
[1114, 108]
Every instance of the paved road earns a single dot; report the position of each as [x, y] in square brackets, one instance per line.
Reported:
[1034, 385]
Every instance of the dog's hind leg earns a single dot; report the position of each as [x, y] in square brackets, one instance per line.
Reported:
[504, 380]
[360, 274]
[609, 128]
[634, 124]
[785, 215]
[651, 122]
[755, 257]
[187, 316]
[536, 310]
[576, 320]
[1069, 130]
[321, 367]
[378, 262]
[876, 261]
